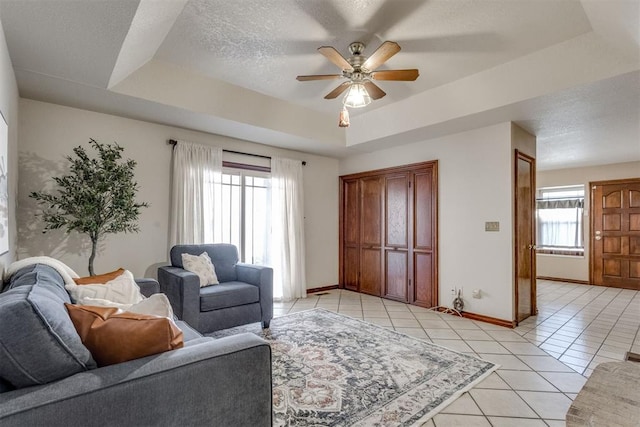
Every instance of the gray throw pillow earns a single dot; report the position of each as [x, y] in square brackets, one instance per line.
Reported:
[38, 342]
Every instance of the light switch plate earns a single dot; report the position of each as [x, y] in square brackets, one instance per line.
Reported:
[492, 226]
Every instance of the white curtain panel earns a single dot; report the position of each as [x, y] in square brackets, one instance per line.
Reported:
[287, 230]
[196, 193]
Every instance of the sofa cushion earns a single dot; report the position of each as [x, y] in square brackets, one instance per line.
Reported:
[38, 342]
[123, 289]
[100, 278]
[116, 336]
[155, 305]
[5, 386]
[228, 294]
[188, 333]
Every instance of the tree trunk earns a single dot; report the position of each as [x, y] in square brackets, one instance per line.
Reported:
[94, 245]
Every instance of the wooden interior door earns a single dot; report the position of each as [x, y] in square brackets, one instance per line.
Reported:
[524, 231]
[371, 214]
[396, 242]
[615, 233]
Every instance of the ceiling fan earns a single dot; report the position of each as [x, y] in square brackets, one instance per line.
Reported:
[360, 72]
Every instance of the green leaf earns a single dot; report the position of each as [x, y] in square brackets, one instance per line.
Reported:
[97, 197]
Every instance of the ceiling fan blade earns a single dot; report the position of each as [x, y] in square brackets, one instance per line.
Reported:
[380, 56]
[318, 77]
[334, 56]
[401, 75]
[374, 91]
[337, 91]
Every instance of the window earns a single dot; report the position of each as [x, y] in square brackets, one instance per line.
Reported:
[559, 213]
[245, 215]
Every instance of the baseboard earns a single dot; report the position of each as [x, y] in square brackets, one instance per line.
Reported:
[486, 319]
[558, 279]
[465, 314]
[322, 289]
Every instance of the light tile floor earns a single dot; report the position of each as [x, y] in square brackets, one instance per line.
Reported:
[544, 361]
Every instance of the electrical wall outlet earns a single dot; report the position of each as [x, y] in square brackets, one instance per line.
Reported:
[492, 226]
[476, 293]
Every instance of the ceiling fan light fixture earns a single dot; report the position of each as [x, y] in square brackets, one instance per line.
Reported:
[357, 96]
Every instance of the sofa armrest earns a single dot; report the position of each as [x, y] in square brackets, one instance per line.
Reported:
[262, 277]
[219, 382]
[148, 286]
[182, 288]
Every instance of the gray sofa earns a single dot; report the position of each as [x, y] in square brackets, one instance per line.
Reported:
[244, 295]
[47, 377]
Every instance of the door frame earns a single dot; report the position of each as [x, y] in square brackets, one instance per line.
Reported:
[592, 184]
[534, 306]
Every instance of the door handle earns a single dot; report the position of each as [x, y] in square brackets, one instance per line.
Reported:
[598, 237]
[532, 247]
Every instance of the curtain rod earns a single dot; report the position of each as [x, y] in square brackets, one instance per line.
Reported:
[561, 198]
[174, 142]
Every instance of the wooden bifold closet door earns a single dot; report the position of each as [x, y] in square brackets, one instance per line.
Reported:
[388, 233]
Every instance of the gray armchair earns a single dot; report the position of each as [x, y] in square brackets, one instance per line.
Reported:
[244, 295]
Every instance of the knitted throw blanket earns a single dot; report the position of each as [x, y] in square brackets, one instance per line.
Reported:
[67, 273]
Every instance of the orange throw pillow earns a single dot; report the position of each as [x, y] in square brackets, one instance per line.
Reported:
[113, 336]
[100, 278]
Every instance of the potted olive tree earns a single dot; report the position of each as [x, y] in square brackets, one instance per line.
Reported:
[96, 198]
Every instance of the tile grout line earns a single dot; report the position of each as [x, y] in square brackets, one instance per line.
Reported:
[610, 329]
[584, 329]
[614, 324]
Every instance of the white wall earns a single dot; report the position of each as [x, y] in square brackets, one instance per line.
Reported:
[9, 109]
[48, 132]
[577, 268]
[474, 186]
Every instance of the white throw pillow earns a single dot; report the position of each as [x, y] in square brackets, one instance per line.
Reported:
[123, 290]
[155, 305]
[202, 266]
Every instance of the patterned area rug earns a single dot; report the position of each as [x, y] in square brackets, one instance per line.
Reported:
[333, 370]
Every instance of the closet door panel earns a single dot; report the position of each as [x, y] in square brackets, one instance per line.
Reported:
[397, 266]
[371, 191]
[370, 268]
[396, 236]
[424, 292]
[423, 279]
[371, 212]
[350, 229]
[424, 213]
[351, 218]
[351, 267]
[397, 211]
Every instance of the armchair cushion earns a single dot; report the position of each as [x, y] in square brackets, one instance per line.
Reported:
[202, 266]
[228, 294]
[223, 256]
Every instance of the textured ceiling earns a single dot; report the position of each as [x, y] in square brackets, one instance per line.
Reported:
[60, 33]
[263, 45]
[566, 70]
